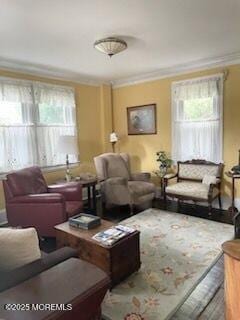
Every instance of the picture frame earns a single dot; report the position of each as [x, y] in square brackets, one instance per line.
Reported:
[142, 119]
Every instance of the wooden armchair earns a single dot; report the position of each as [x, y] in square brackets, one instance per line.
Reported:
[197, 180]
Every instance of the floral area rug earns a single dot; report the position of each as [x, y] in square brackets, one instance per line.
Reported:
[177, 251]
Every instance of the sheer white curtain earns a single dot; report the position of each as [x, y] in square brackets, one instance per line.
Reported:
[17, 134]
[197, 119]
[49, 131]
[32, 118]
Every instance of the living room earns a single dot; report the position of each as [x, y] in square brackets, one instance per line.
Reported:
[134, 121]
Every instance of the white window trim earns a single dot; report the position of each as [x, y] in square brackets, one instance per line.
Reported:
[3, 175]
[32, 82]
[219, 76]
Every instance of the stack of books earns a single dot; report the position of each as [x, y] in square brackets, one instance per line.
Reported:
[112, 235]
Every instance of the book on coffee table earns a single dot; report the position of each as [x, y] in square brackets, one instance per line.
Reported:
[84, 221]
[112, 235]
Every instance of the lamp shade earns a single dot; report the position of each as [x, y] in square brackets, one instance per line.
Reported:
[113, 137]
[67, 145]
[110, 45]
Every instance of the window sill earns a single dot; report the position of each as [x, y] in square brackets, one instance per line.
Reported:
[46, 169]
[59, 167]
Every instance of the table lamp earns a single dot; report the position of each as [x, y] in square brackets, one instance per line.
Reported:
[113, 139]
[67, 145]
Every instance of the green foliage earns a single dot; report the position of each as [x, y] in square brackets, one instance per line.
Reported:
[165, 161]
[50, 114]
[197, 109]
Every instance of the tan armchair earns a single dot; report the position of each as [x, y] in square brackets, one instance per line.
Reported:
[119, 186]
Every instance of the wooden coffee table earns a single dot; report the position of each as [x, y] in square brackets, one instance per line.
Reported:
[118, 261]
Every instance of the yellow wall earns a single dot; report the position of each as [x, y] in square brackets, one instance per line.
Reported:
[94, 120]
[106, 116]
[88, 122]
[143, 148]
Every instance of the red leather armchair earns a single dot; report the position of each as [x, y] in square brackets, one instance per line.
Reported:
[30, 202]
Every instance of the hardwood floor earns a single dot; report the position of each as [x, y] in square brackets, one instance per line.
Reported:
[195, 210]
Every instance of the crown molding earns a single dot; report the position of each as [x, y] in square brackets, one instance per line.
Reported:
[47, 72]
[66, 75]
[194, 66]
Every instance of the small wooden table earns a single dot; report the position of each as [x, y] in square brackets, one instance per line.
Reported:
[90, 184]
[118, 261]
[232, 209]
[231, 251]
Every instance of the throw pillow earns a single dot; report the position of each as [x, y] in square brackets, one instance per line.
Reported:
[208, 179]
[18, 247]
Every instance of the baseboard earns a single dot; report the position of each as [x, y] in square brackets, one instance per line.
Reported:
[226, 203]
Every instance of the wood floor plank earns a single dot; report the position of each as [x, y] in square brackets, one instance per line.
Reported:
[215, 309]
[202, 295]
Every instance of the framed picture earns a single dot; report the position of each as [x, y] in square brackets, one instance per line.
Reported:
[142, 119]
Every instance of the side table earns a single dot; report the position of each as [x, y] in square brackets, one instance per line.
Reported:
[232, 209]
[90, 184]
[231, 251]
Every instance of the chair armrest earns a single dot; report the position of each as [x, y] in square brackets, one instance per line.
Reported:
[170, 176]
[38, 198]
[141, 176]
[14, 277]
[70, 191]
[211, 188]
[117, 181]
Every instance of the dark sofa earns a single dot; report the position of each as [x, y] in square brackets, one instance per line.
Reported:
[12, 278]
[57, 278]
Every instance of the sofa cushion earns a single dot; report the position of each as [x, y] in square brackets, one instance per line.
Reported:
[197, 171]
[18, 247]
[27, 181]
[141, 188]
[117, 167]
[208, 179]
[190, 189]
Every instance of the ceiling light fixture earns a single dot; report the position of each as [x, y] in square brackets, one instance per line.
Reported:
[110, 45]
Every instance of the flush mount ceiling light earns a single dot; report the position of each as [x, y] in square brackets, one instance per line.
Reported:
[110, 45]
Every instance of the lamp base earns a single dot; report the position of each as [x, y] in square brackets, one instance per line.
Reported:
[68, 177]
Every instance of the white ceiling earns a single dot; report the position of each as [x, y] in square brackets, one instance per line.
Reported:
[57, 36]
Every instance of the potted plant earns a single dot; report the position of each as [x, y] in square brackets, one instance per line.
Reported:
[164, 163]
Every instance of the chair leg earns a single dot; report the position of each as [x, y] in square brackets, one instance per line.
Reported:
[220, 201]
[164, 197]
[209, 208]
[178, 205]
[131, 209]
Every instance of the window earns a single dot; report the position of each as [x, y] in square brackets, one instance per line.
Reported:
[32, 118]
[197, 119]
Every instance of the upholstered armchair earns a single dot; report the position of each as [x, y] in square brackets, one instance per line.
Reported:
[121, 187]
[31, 202]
